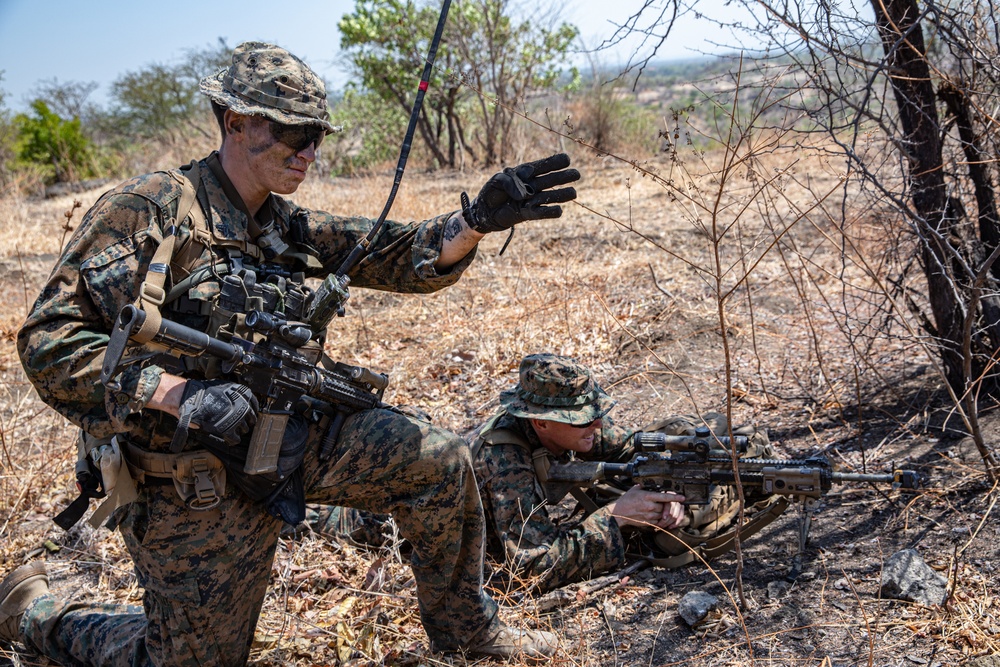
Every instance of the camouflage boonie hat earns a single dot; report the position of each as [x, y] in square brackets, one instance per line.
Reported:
[266, 80]
[556, 389]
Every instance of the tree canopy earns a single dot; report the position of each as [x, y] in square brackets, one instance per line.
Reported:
[488, 64]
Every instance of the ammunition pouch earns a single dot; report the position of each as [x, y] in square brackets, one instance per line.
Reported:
[282, 491]
[200, 476]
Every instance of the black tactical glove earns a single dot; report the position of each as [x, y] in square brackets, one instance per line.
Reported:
[521, 193]
[224, 409]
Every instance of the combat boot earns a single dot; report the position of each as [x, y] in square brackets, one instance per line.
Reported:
[507, 642]
[17, 591]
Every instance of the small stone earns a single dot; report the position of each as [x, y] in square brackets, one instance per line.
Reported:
[777, 589]
[907, 577]
[695, 606]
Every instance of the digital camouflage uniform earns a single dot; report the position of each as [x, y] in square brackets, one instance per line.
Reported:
[205, 573]
[523, 534]
[347, 524]
[546, 546]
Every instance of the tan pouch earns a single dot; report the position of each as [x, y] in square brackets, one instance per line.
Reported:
[199, 476]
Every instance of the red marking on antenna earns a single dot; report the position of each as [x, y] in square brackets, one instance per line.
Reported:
[423, 85]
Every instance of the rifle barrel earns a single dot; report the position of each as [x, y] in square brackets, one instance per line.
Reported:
[907, 479]
[192, 342]
[173, 336]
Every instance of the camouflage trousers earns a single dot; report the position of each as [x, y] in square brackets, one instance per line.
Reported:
[205, 573]
[346, 524]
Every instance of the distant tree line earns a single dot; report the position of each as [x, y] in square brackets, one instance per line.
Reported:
[904, 95]
[64, 137]
[496, 61]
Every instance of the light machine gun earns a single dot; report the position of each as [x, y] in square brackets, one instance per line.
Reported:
[280, 369]
[696, 463]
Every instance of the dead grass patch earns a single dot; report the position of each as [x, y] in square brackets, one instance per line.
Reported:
[625, 282]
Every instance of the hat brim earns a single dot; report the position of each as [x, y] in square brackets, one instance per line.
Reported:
[212, 86]
[577, 415]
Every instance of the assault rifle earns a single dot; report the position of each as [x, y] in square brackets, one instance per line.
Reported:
[281, 368]
[696, 463]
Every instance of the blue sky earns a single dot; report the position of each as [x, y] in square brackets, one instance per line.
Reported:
[73, 40]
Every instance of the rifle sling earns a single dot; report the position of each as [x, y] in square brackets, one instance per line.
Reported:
[585, 501]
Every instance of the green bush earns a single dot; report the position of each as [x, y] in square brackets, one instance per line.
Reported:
[373, 132]
[56, 145]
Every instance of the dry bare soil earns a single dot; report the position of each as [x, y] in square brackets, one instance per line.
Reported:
[629, 283]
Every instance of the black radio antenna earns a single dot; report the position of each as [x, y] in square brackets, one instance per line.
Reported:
[404, 152]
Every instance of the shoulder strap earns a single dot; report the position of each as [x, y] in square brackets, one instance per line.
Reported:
[487, 435]
[152, 293]
[193, 202]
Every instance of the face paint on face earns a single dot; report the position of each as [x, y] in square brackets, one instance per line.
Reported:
[277, 167]
[261, 144]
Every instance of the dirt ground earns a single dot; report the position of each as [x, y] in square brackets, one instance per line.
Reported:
[628, 282]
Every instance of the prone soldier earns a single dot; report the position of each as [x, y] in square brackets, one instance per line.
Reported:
[558, 413]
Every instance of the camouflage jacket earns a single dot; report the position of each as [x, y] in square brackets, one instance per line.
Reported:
[543, 546]
[62, 342]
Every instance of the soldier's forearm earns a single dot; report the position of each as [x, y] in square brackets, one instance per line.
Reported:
[167, 397]
[459, 240]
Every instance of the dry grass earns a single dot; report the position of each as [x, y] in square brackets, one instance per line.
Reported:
[628, 282]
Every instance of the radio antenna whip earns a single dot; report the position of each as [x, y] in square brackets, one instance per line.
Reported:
[404, 152]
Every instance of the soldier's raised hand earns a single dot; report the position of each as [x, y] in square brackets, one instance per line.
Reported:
[521, 193]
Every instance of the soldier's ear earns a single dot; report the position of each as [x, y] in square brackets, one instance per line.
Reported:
[234, 123]
[539, 424]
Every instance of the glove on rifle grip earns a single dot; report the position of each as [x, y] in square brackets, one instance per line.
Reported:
[224, 409]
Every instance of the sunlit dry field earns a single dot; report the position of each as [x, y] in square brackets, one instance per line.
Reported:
[680, 284]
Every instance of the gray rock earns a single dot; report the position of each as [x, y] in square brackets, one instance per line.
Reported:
[777, 589]
[907, 577]
[695, 606]
[984, 661]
